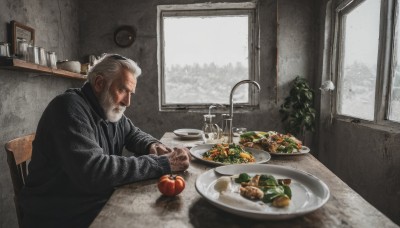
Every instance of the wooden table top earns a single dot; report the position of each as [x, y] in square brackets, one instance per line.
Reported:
[142, 205]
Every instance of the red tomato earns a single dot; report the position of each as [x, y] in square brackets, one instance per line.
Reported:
[171, 185]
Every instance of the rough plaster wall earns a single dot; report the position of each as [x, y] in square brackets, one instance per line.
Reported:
[23, 96]
[142, 14]
[295, 43]
[367, 158]
[297, 32]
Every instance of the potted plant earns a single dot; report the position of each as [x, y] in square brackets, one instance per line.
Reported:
[298, 114]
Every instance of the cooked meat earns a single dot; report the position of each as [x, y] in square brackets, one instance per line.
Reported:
[251, 192]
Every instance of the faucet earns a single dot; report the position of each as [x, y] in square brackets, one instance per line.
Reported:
[230, 118]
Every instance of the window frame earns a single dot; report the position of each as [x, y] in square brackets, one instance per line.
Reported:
[210, 9]
[384, 74]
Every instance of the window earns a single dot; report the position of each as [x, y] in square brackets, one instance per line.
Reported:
[394, 108]
[204, 50]
[365, 64]
[359, 53]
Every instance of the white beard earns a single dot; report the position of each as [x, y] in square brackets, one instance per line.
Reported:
[112, 110]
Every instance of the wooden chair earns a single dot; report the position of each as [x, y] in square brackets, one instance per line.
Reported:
[19, 151]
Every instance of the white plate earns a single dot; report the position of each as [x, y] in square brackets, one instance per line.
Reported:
[303, 150]
[261, 156]
[308, 192]
[187, 133]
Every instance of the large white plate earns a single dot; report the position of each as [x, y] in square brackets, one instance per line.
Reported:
[261, 156]
[308, 192]
[187, 133]
[303, 150]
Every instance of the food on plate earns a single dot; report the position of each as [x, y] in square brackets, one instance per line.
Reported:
[266, 188]
[171, 185]
[235, 200]
[243, 177]
[251, 192]
[228, 153]
[223, 184]
[271, 141]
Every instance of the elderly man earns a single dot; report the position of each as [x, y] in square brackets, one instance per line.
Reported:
[77, 153]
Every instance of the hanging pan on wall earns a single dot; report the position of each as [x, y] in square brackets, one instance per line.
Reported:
[125, 36]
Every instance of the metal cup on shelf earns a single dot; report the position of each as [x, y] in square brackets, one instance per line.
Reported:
[22, 49]
[33, 54]
[42, 56]
[52, 59]
[4, 49]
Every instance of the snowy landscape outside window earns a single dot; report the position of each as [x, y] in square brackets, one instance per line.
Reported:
[366, 65]
[359, 55]
[204, 53]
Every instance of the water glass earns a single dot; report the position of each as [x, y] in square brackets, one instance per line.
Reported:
[42, 56]
[33, 54]
[22, 49]
[52, 59]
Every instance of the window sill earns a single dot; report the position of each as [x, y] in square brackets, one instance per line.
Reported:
[384, 126]
[205, 108]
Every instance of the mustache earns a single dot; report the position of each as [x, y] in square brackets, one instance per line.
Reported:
[119, 108]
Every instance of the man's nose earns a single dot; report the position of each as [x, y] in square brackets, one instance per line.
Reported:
[127, 100]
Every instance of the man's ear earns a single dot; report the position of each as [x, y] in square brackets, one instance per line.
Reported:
[99, 84]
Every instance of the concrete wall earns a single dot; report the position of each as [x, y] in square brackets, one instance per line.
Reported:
[23, 96]
[364, 156]
[295, 36]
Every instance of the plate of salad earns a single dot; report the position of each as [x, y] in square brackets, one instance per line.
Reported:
[225, 154]
[273, 142]
[263, 191]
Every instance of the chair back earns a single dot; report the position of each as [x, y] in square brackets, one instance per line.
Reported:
[19, 151]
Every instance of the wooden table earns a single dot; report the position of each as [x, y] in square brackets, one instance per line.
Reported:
[142, 205]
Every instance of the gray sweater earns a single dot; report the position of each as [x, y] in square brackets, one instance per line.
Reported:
[76, 161]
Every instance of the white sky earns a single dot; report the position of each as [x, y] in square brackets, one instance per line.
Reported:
[362, 33]
[202, 40]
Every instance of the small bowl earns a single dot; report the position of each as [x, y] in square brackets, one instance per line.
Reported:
[73, 66]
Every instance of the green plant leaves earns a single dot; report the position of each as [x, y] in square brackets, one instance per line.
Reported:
[298, 114]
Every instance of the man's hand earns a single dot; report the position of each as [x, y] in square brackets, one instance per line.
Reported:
[179, 159]
[159, 149]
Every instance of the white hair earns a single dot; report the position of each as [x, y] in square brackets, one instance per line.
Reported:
[110, 65]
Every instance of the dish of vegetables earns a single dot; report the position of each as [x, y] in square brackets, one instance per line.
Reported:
[273, 142]
[224, 154]
[263, 191]
[229, 153]
[266, 188]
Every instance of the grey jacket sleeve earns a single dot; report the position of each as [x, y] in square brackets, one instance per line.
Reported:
[136, 140]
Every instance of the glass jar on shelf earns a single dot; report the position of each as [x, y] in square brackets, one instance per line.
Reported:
[4, 49]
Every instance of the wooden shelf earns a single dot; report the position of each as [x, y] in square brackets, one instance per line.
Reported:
[17, 64]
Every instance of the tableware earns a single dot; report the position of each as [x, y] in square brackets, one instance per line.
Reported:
[308, 192]
[211, 131]
[237, 131]
[22, 49]
[261, 156]
[187, 133]
[33, 54]
[72, 66]
[42, 56]
[4, 49]
[303, 150]
[52, 59]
